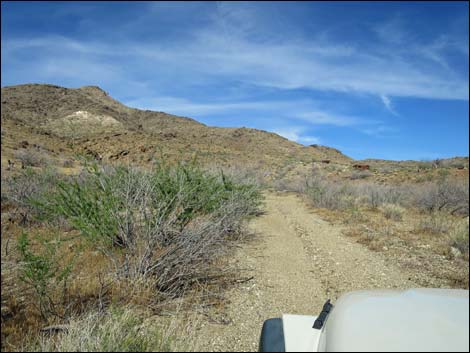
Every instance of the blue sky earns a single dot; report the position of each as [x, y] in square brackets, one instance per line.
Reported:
[373, 79]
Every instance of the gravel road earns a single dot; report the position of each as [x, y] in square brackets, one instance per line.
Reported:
[297, 261]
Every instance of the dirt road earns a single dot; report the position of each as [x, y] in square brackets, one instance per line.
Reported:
[297, 262]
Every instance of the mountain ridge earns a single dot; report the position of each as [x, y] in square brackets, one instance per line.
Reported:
[98, 124]
[46, 107]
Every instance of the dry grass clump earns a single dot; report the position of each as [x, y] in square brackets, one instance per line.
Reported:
[436, 223]
[31, 158]
[459, 238]
[375, 238]
[363, 174]
[392, 211]
[68, 163]
[117, 330]
[19, 190]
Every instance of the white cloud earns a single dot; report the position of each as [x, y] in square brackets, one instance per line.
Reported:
[392, 31]
[326, 118]
[228, 48]
[300, 109]
[296, 134]
[379, 131]
[182, 106]
[289, 133]
[308, 140]
[388, 104]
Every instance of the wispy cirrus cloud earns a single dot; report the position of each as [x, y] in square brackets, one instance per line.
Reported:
[297, 134]
[292, 119]
[318, 117]
[304, 110]
[227, 48]
[388, 104]
[182, 106]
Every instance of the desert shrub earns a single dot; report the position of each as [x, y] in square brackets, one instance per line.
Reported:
[343, 195]
[354, 216]
[392, 211]
[425, 165]
[454, 163]
[459, 238]
[458, 165]
[363, 174]
[31, 158]
[445, 195]
[326, 194]
[451, 196]
[170, 224]
[240, 174]
[386, 169]
[118, 330]
[443, 174]
[42, 270]
[434, 224]
[21, 189]
[425, 178]
[295, 185]
[375, 195]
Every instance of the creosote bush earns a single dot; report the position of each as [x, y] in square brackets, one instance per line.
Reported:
[169, 224]
[43, 271]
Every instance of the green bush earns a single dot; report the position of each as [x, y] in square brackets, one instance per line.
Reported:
[171, 223]
[42, 270]
[104, 202]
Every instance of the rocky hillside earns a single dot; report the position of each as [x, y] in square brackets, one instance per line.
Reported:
[88, 119]
[60, 123]
[42, 105]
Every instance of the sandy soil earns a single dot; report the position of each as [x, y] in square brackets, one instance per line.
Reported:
[297, 261]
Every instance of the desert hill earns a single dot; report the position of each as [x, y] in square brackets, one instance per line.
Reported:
[89, 119]
[62, 122]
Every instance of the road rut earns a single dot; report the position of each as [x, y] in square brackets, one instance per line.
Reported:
[298, 260]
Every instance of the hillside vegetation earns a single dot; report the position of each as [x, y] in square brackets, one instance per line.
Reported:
[115, 218]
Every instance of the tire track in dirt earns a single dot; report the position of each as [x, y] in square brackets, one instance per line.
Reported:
[298, 260]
